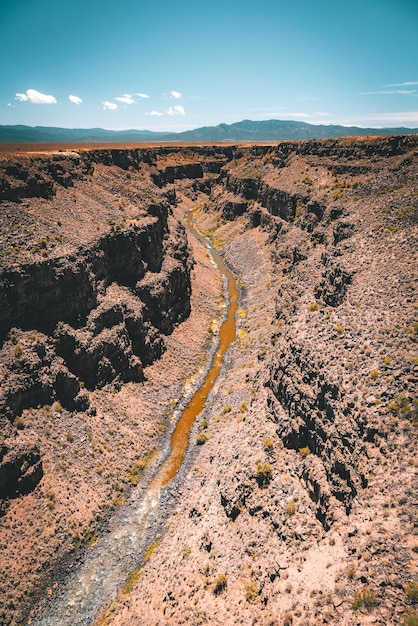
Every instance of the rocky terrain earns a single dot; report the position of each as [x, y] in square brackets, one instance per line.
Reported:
[299, 504]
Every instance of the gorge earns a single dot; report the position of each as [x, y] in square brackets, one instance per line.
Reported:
[296, 500]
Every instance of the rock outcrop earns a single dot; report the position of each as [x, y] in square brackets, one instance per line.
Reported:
[91, 316]
[314, 419]
[20, 468]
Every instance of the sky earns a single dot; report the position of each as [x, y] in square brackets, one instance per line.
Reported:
[172, 65]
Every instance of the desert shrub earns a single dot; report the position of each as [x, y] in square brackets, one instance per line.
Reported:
[412, 331]
[51, 500]
[18, 351]
[304, 451]
[268, 444]
[288, 619]
[186, 550]
[219, 584]
[364, 598]
[201, 439]
[314, 306]
[403, 406]
[131, 582]
[411, 591]
[374, 374]
[290, 508]
[151, 548]
[12, 335]
[351, 571]
[410, 618]
[263, 474]
[251, 592]
[19, 422]
[300, 209]
[136, 470]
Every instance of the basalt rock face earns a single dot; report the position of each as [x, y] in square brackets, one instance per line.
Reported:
[335, 280]
[28, 177]
[74, 318]
[313, 417]
[276, 201]
[23, 294]
[74, 291]
[316, 200]
[20, 468]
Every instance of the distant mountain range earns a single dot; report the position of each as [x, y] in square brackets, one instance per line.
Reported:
[247, 130]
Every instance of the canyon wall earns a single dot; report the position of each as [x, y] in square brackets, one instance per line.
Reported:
[81, 315]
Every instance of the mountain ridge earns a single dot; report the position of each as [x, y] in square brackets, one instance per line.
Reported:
[245, 130]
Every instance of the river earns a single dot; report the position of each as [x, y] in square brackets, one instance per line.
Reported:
[107, 564]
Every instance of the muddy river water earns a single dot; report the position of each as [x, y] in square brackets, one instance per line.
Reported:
[108, 564]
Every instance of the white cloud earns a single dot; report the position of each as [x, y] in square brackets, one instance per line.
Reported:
[399, 92]
[401, 117]
[407, 84]
[126, 99]
[297, 115]
[177, 110]
[35, 97]
[75, 99]
[281, 113]
[155, 113]
[175, 94]
[109, 105]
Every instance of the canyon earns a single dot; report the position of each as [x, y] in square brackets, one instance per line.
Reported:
[296, 501]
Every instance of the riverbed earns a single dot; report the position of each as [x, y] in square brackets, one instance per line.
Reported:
[109, 563]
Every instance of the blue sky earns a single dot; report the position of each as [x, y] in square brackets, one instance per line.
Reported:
[180, 64]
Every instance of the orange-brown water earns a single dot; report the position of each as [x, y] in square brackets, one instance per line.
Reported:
[227, 331]
[99, 578]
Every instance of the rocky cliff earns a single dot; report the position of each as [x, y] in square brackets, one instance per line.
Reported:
[77, 315]
[316, 200]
